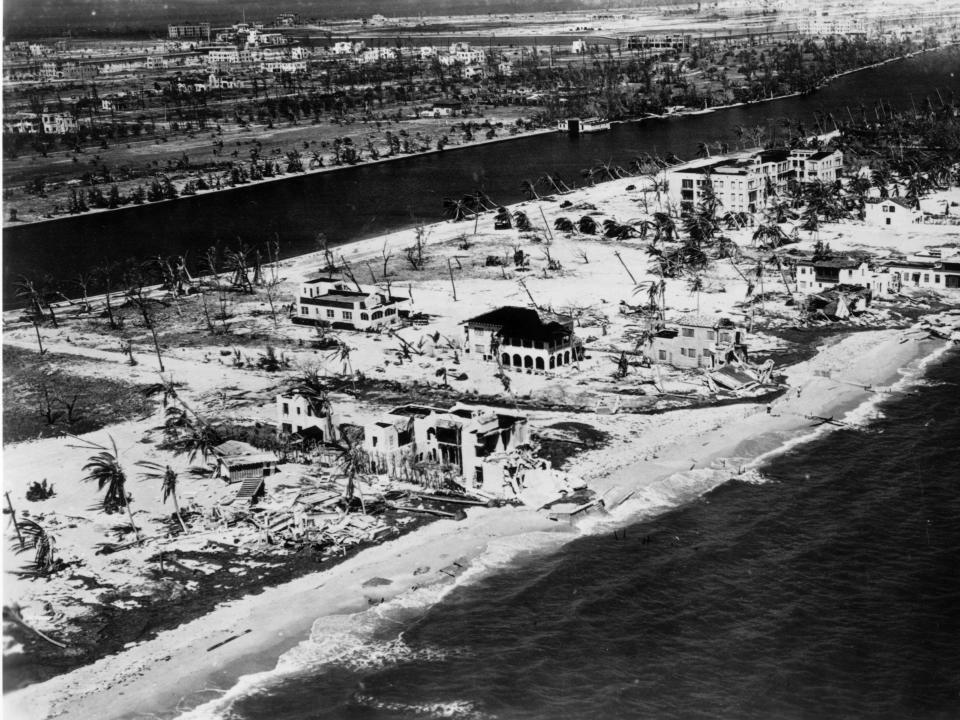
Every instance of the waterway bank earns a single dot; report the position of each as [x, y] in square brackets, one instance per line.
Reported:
[368, 199]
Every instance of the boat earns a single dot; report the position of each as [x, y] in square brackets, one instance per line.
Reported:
[576, 126]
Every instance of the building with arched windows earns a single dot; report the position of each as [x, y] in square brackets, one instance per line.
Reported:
[522, 339]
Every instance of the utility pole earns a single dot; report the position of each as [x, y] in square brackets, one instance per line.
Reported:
[452, 285]
[617, 253]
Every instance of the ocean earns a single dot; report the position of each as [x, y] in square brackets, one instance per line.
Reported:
[828, 586]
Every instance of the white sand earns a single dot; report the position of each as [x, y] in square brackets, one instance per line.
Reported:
[156, 675]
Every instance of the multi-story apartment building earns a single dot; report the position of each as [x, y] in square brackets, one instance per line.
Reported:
[742, 182]
[189, 31]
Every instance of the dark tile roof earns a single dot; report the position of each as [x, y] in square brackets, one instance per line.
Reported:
[513, 321]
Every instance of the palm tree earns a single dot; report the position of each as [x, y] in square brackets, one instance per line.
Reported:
[35, 537]
[529, 190]
[587, 225]
[342, 353]
[665, 228]
[656, 295]
[768, 236]
[563, 224]
[758, 273]
[695, 285]
[522, 222]
[197, 440]
[168, 477]
[105, 468]
[353, 463]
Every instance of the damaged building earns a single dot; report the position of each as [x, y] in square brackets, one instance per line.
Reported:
[463, 438]
[695, 341]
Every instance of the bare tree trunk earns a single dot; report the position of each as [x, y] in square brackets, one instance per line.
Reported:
[136, 532]
[176, 508]
[39, 340]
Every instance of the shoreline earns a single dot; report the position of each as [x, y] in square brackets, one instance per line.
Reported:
[7, 224]
[119, 685]
[286, 176]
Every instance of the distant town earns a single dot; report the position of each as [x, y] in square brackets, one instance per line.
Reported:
[143, 120]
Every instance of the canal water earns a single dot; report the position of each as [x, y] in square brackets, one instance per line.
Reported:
[362, 201]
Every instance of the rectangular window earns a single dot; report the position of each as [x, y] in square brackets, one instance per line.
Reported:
[286, 408]
[304, 310]
[330, 313]
[347, 315]
[686, 332]
[926, 277]
[662, 354]
[711, 335]
[936, 279]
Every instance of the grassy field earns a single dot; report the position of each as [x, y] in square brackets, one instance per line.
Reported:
[45, 398]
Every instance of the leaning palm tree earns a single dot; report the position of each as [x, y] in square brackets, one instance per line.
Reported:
[168, 477]
[529, 190]
[105, 468]
[35, 537]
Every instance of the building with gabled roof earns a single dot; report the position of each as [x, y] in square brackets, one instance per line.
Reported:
[891, 211]
[522, 339]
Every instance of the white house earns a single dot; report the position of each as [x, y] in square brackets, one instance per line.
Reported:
[297, 413]
[814, 276]
[346, 47]
[58, 123]
[890, 211]
[578, 47]
[925, 271]
[325, 301]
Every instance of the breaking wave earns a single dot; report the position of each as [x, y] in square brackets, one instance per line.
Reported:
[373, 638]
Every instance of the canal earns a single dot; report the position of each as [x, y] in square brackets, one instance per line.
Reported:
[362, 201]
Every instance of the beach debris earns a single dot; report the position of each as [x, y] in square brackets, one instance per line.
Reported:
[12, 613]
[376, 582]
[229, 639]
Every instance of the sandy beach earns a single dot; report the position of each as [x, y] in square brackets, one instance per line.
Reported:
[683, 455]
